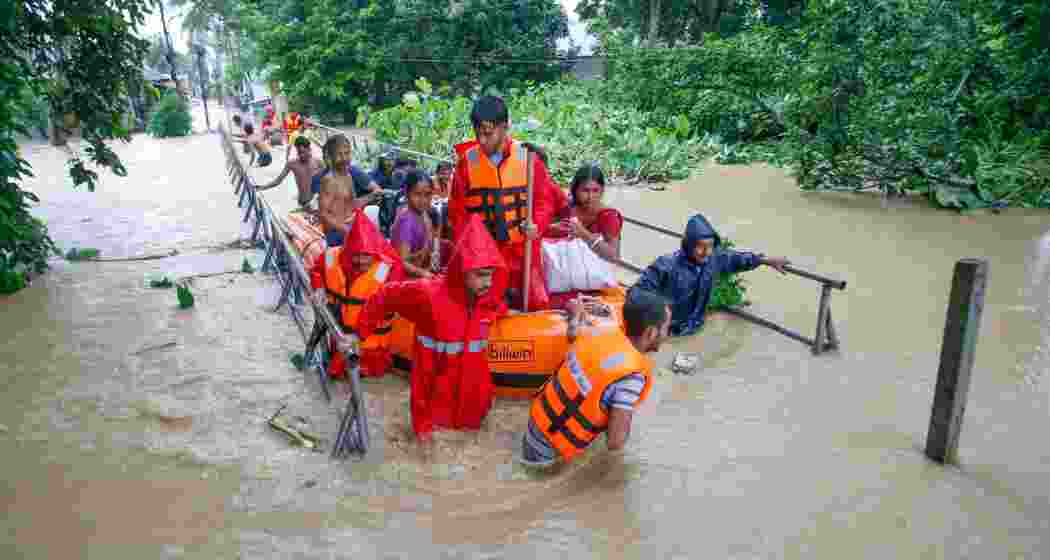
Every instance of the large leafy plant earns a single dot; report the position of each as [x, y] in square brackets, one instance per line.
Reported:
[947, 99]
[570, 119]
[172, 117]
[79, 55]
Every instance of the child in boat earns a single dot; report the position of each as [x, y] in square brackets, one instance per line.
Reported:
[415, 231]
[687, 276]
[607, 375]
[587, 218]
[451, 386]
[382, 175]
[401, 169]
[255, 140]
[443, 179]
[338, 197]
[344, 278]
[303, 169]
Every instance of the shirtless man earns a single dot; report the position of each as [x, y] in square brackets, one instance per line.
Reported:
[303, 168]
[255, 140]
[337, 202]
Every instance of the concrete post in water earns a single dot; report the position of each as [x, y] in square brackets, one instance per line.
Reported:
[957, 354]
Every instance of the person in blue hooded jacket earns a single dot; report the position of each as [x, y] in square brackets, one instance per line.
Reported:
[687, 276]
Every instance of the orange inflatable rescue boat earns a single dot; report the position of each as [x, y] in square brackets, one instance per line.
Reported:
[524, 349]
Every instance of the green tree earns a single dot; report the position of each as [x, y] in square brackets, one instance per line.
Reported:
[678, 22]
[333, 57]
[81, 55]
[171, 117]
[156, 57]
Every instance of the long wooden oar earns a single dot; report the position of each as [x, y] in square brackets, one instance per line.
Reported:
[528, 225]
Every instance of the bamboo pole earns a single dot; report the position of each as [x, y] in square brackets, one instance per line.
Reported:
[529, 160]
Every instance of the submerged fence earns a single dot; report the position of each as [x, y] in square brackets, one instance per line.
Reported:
[285, 261]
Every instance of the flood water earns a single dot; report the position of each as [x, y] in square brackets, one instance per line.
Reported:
[133, 429]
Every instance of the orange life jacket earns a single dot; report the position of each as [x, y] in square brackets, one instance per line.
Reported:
[292, 122]
[352, 298]
[499, 194]
[568, 408]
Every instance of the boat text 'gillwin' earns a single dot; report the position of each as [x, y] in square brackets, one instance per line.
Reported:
[511, 351]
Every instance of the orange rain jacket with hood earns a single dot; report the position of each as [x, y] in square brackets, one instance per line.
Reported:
[363, 237]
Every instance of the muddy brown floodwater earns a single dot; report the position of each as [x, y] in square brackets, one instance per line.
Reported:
[119, 444]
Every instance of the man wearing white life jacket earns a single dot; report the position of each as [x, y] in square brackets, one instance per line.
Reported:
[345, 277]
[604, 377]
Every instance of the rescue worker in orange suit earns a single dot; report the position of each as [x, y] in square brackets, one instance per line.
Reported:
[605, 376]
[451, 386]
[345, 277]
[490, 181]
[293, 126]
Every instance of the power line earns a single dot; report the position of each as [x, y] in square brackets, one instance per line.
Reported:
[664, 52]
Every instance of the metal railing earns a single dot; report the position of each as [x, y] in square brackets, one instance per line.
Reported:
[285, 261]
[372, 147]
[825, 338]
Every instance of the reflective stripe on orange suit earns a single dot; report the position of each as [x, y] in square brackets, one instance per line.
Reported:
[350, 300]
[499, 194]
[568, 408]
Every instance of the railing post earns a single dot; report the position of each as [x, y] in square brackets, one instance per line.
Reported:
[822, 319]
[833, 338]
[965, 305]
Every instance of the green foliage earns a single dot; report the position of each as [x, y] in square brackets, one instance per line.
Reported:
[570, 119]
[156, 58]
[76, 254]
[11, 281]
[687, 20]
[734, 88]
[171, 117]
[79, 55]
[729, 288]
[299, 361]
[185, 296]
[950, 100]
[87, 52]
[161, 282]
[334, 58]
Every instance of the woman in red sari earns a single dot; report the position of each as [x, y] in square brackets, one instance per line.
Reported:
[587, 218]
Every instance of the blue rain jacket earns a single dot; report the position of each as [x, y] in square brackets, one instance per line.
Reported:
[688, 285]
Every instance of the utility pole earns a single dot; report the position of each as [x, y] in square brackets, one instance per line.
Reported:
[170, 54]
[202, 74]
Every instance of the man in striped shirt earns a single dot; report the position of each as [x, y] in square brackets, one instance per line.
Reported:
[647, 318]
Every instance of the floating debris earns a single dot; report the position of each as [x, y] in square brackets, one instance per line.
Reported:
[297, 436]
[161, 282]
[299, 361]
[76, 254]
[685, 363]
[156, 347]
